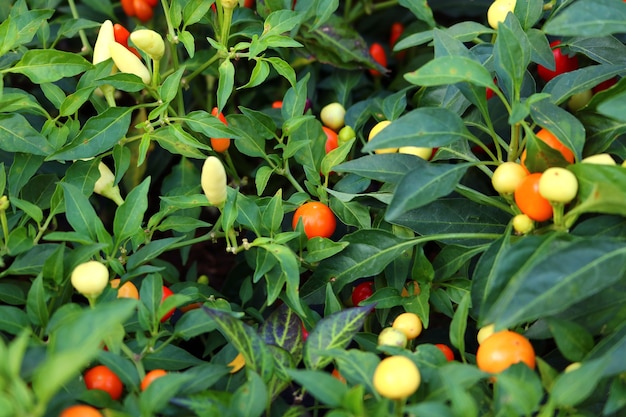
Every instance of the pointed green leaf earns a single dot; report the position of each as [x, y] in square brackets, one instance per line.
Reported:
[99, 134]
[423, 185]
[129, 216]
[246, 341]
[334, 331]
[451, 70]
[49, 65]
[17, 135]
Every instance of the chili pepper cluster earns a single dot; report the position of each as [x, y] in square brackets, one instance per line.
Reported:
[141, 9]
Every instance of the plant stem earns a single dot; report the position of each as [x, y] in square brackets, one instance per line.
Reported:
[287, 174]
[83, 38]
[399, 407]
[201, 68]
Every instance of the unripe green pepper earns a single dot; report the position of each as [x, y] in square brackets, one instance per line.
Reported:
[106, 187]
[4, 203]
[213, 181]
[346, 134]
[106, 37]
[90, 278]
[149, 42]
[127, 62]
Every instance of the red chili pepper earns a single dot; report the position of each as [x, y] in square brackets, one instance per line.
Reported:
[220, 144]
[143, 10]
[249, 4]
[121, 36]
[128, 7]
[377, 51]
[395, 32]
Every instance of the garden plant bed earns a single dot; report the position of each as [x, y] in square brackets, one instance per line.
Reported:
[312, 208]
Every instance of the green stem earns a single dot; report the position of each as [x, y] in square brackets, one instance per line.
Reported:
[399, 407]
[231, 166]
[201, 68]
[5, 228]
[156, 76]
[474, 195]
[287, 174]
[81, 33]
[557, 215]
[168, 21]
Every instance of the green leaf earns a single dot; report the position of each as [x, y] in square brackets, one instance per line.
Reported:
[389, 168]
[13, 320]
[588, 18]
[356, 366]
[150, 251]
[529, 12]
[250, 399]
[334, 331]
[512, 54]
[17, 135]
[194, 11]
[31, 262]
[129, 216]
[573, 82]
[171, 358]
[324, 387]
[425, 127]
[571, 388]
[82, 216]
[245, 339]
[273, 213]
[286, 262]
[99, 134]
[368, 253]
[335, 157]
[20, 28]
[159, 393]
[518, 391]
[23, 168]
[337, 43]
[567, 128]
[614, 107]
[464, 222]
[226, 82]
[450, 70]
[194, 323]
[176, 141]
[284, 69]
[487, 283]
[250, 142]
[171, 85]
[49, 65]
[600, 189]
[421, 10]
[458, 326]
[283, 328]
[573, 340]
[36, 306]
[548, 274]
[260, 72]
[319, 248]
[424, 184]
[77, 342]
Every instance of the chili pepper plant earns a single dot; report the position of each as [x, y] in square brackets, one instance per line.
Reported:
[109, 179]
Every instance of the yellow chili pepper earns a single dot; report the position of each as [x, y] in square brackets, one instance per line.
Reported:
[105, 38]
[149, 42]
[128, 62]
[213, 181]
